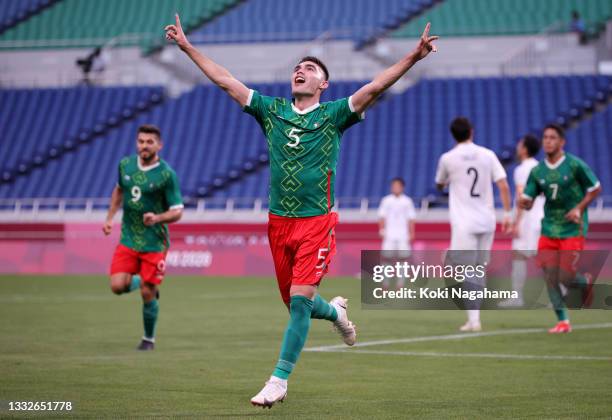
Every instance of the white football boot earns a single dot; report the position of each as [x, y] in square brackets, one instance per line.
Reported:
[471, 326]
[275, 390]
[344, 327]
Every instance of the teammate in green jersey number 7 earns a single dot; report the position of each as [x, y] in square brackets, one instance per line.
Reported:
[303, 138]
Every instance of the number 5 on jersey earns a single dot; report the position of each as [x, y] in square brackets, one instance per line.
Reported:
[294, 135]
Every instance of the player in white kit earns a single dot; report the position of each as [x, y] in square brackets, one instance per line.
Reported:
[527, 224]
[469, 171]
[396, 222]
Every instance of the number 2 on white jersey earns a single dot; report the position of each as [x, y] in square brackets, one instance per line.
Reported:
[293, 134]
[555, 188]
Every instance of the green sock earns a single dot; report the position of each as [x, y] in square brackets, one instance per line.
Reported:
[554, 293]
[580, 281]
[134, 284]
[321, 309]
[150, 310]
[300, 310]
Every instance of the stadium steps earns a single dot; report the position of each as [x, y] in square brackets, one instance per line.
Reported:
[409, 132]
[502, 17]
[14, 12]
[275, 21]
[412, 11]
[590, 137]
[89, 24]
[60, 121]
[208, 137]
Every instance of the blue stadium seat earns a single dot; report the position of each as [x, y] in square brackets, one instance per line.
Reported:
[272, 20]
[14, 11]
[209, 139]
[36, 121]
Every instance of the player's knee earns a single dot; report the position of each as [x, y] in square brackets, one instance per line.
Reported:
[117, 288]
[148, 293]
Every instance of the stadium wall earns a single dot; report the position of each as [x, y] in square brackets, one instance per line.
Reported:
[272, 62]
[208, 249]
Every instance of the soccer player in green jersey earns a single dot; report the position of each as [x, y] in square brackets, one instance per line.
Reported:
[149, 190]
[303, 140]
[569, 186]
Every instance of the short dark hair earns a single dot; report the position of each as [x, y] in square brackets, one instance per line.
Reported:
[317, 62]
[400, 180]
[150, 129]
[532, 144]
[461, 129]
[560, 131]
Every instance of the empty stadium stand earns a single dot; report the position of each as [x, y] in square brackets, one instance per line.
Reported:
[40, 125]
[295, 20]
[592, 141]
[219, 151]
[501, 17]
[78, 23]
[12, 12]
[406, 134]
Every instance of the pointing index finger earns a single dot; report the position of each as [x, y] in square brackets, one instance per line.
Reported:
[178, 20]
[426, 31]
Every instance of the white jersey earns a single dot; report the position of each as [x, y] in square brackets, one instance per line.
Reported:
[530, 224]
[397, 211]
[534, 216]
[470, 171]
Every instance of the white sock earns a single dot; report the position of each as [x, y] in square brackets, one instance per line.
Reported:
[473, 315]
[519, 276]
[279, 380]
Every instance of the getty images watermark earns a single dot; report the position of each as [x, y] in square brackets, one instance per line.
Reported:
[484, 279]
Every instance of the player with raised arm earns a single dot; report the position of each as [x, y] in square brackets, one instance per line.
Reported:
[149, 190]
[526, 226]
[569, 186]
[303, 138]
[470, 170]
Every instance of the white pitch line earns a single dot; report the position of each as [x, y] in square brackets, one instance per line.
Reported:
[461, 336]
[476, 355]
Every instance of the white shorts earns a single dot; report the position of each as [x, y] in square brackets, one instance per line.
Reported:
[527, 241]
[467, 241]
[396, 248]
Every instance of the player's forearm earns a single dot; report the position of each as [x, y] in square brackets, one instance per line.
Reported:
[519, 209]
[411, 230]
[212, 70]
[365, 96]
[170, 216]
[115, 203]
[504, 192]
[391, 75]
[219, 75]
[588, 199]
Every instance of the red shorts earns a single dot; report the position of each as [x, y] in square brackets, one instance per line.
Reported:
[302, 249]
[150, 265]
[560, 252]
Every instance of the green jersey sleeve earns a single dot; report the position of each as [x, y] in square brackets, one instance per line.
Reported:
[532, 188]
[343, 114]
[172, 192]
[122, 164]
[586, 177]
[258, 105]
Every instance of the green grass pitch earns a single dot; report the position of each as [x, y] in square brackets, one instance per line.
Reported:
[71, 339]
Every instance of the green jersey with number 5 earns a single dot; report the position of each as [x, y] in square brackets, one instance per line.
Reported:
[146, 189]
[564, 184]
[303, 147]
